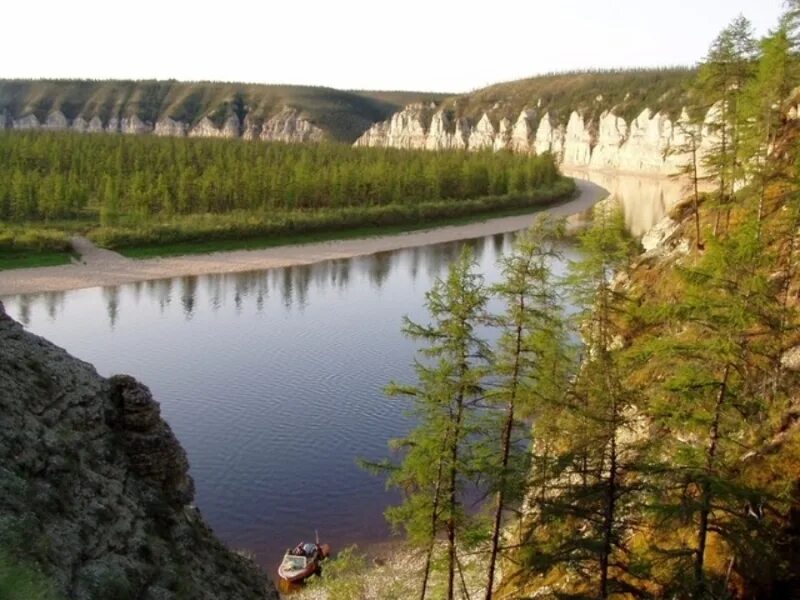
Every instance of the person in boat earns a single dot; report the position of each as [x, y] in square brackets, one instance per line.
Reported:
[306, 549]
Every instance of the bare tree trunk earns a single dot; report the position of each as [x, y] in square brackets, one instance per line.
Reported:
[464, 587]
[434, 519]
[763, 176]
[506, 452]
[610, 510]
[705, 489]
[452, 500]
[696, 199]
[722, 182]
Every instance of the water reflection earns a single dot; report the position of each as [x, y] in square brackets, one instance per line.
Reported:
[272, 380]
[644, 200]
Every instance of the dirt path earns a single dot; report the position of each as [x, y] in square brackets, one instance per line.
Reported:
[96, 257]
[99, 267]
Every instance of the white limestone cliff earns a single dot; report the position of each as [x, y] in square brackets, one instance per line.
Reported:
[167, 127]
[79, 124]
[206, 128]
[612, 133]
[650, 144]
[523, 134]
[134, 126]
[56, 121]
[286, 126]
[289, 126]
[578, 142]
[25, 122]
[502, 141]
[95, 125]
[549, 138]
[439, 133]
[482, 135]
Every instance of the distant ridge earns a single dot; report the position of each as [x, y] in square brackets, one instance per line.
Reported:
[333, 114]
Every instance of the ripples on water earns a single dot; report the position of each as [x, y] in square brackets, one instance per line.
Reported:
[272, 380]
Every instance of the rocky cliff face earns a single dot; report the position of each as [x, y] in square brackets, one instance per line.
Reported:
[288, 125]
[652, 143]
[94, 486]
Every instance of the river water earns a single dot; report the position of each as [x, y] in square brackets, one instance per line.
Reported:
[273, 380]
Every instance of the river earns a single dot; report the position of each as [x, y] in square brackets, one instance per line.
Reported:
[273, 380]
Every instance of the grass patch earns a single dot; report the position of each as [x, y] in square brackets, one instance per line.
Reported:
[263, 242]
[26, 260]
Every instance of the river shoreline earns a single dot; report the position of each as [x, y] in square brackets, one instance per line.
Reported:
[109, 269]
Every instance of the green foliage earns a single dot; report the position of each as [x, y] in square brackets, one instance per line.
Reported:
[440, 457]
[628, 91]
[18, 239]
[148, 190]
[530, 365]
[343, 577]
[23, 582]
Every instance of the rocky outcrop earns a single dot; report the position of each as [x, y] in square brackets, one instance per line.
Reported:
[134, 126]
[94, 486]
[169, 128]
[578, 142]
[205, 128]
[523, 134]
[95, 125]
[56, 121]
[549, 138]
[650, 144]
[791, 359]
[25, 122]
[79, 124]
[288, 125]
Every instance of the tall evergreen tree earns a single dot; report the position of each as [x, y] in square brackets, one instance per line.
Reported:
[714, 341]
[764, 97]
[721, 81]
[529, 362]
[450, 375]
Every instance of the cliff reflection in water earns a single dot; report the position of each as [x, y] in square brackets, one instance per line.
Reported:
[644, 200]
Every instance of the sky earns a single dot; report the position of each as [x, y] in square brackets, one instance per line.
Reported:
[437, 45]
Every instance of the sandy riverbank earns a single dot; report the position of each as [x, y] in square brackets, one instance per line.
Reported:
[103, 268]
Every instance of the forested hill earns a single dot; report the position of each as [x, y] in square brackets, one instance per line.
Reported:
[627, 91]
[203, 108]
[307, 113]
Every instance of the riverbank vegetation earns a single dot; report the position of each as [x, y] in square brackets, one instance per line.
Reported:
[658, 457]
[129, 191]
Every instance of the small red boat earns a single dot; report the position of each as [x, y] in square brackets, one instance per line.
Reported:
[303, 561]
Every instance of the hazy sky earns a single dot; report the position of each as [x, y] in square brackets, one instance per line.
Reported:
[407, 44]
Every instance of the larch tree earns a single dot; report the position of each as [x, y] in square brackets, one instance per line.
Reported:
[450, 374]
[763, 109]
[714, 340]
[582, 485]
[721, 81]
[529, 364]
